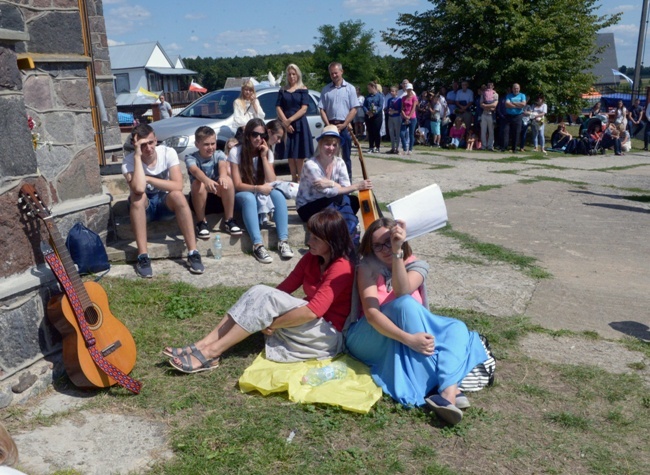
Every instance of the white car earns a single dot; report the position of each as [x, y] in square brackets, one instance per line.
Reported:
[216, 110]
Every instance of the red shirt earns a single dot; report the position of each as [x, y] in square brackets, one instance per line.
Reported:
[329, 293]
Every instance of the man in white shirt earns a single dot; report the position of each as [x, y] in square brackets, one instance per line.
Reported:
[464, 101]
[165, 108]
[153, 174]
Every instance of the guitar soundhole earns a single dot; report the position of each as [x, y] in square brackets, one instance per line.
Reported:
[93, 317]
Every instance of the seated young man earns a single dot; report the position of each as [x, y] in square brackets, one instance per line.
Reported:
[156, 193]
[211, 183]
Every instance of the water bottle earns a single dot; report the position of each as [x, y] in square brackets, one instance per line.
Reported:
[217, 247]
[317, 376]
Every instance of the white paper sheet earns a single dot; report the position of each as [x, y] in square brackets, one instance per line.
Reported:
[423, 211]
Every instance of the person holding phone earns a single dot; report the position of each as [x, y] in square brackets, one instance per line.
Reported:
[252, 173]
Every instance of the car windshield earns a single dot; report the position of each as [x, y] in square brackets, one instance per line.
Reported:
[217, 105]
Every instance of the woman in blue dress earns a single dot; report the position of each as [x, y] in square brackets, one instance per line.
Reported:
[292, 105]
[411, 352]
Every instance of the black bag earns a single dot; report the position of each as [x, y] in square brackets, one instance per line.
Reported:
[577, 147]
[87, 250]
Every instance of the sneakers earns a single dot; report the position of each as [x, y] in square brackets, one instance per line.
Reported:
[261, 255]
[202, 231]
[194, 262]
[285, 250]
[143, 266]
[231, 227]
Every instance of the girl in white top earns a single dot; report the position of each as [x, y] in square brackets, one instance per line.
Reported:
[537, 121]
[252, 173]
[246, 106]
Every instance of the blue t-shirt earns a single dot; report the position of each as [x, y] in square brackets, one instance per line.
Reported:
[515, 98]
[209, 166]
[394, 103]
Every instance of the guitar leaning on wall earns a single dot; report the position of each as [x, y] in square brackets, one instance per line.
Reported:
[112, 339]
[369, 207]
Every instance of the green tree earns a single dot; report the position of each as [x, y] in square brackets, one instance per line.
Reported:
[547, 46]
[351, 45]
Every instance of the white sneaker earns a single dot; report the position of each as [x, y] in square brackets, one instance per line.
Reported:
[285, 250]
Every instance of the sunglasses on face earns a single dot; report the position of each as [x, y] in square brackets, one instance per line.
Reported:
[379, 246]
[264, 135]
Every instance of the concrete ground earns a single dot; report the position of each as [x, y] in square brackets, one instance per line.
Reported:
[586, 220]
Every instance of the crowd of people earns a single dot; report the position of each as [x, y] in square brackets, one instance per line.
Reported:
[367, 294]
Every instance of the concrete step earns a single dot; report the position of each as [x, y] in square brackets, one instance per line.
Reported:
[165, 240]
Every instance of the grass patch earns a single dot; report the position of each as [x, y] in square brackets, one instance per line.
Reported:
[552, 167]
[454, 194]
[494, 252]
[507, 172]
[559, 180]
[440, 167]
[464, 260]
[634, 344]
[516, 158]
[624, 167]
[535, 417]
[568, 420]
[396, 158]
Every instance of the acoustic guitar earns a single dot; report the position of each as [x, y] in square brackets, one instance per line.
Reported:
[369, 207]
[113, 339]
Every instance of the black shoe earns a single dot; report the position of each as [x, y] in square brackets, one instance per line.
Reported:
[202, 231]
[261, 255]
[194, 262]
[231, 227]
[143, 266]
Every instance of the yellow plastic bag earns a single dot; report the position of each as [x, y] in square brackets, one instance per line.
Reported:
[356, 392]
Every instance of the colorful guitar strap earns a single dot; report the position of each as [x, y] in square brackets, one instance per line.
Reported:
[118, 375]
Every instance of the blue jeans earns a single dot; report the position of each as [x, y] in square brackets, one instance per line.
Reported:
[246, 202]
[407, 134]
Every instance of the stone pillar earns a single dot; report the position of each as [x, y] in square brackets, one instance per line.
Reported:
[59, 157]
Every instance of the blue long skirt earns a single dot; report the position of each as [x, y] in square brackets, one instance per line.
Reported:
[406, 375]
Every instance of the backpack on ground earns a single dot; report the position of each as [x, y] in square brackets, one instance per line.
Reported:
[87, 250]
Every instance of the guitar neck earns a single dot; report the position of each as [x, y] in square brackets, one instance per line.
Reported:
[358, 146]
[66, 259]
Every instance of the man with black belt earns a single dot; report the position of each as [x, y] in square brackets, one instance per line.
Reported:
[338, 101]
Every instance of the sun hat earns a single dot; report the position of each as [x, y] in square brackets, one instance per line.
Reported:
[330, 131]
[409, 86]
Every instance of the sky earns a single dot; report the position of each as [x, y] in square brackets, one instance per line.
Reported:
[226, 28]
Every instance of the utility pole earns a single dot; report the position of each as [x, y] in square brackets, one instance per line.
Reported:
[636, 90]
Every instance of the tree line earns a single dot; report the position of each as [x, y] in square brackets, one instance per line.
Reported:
[548, 47]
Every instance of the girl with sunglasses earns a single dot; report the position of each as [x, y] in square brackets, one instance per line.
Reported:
[252, 174]
[416, 357]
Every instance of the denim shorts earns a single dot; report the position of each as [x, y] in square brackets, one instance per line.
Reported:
[157, 210]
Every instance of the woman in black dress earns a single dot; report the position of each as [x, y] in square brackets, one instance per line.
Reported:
[292, 104]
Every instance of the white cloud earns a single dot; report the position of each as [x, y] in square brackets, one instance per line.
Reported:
[123, 19]
[623, 8]
[632, 30]
[376, 7]
[295, 48]
[114, 43]
[173, 47]
[194, 38]
[622, 42]
[243, 43]
[207, 45]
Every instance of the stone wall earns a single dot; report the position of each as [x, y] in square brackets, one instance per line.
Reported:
[59, 156]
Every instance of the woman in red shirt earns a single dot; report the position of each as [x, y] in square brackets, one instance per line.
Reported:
[296, 329]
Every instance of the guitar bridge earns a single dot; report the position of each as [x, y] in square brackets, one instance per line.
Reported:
[111, 348]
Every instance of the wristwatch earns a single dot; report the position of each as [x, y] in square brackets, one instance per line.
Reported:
[398, 255]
